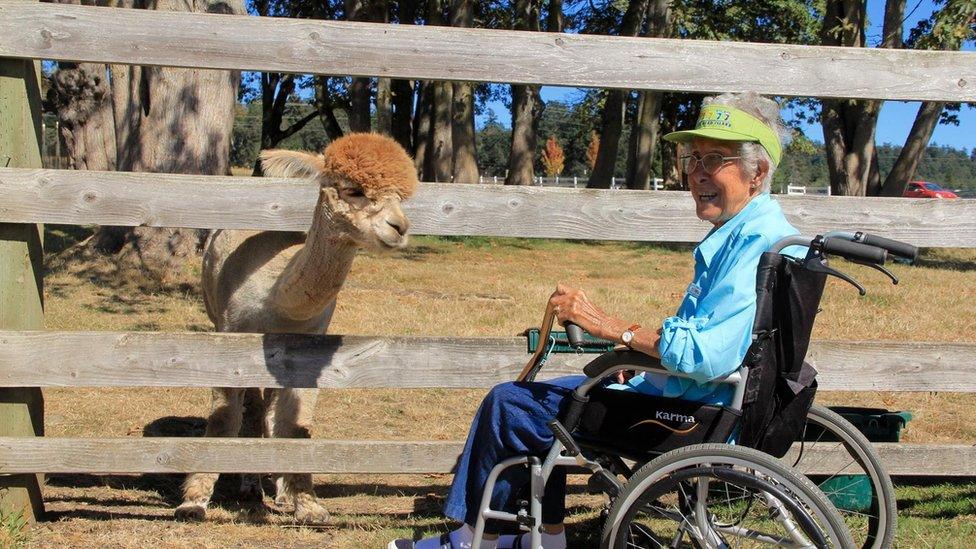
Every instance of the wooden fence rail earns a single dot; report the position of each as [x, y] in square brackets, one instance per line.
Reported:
[151, 359]
[79, 33]
[164, 200]
[187, 455]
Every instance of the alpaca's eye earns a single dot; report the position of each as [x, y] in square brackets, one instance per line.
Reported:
[354, 193]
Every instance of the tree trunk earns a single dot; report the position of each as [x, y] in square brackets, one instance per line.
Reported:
[554, 18]
[463, 134]
[172, 120]
[359, 99]
[440, 145]
[402, 91]
[849, 125]
[81, 98]
[384, 106]
[527, 109]
[325, 105]
[643, 140]
[359, 88]
[647, 126]
[671, 172]
[612, 120]
[380, 13]
[441, 150]
[848, 128]
[422, 126]
[611, 124]
[465, 150]
[401, 121]
[276, 89]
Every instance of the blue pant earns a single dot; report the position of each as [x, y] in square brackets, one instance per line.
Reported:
[510, 422]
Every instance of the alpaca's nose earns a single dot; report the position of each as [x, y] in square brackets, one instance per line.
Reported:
[400, 225]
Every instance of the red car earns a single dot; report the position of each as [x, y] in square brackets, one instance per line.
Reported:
[924, 189]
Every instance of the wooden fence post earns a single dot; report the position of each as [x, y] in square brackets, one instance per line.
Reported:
[21, 275]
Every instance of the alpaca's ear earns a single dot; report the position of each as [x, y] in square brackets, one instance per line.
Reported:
[282, 163]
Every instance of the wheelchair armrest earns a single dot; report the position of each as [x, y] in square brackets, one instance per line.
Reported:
[616, 361]
[625, 359]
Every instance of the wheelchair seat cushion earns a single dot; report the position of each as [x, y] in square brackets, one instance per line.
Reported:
[639, 426]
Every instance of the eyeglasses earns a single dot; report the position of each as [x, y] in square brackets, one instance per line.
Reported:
[711, 162]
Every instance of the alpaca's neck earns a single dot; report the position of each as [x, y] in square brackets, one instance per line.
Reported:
[315, 274]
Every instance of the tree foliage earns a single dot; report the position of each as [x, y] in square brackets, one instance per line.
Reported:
[553, 157]
[592, 150]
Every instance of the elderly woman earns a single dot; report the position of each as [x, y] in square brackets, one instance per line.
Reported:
[729, 159]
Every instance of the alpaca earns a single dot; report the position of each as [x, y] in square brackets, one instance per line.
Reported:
[279, 282]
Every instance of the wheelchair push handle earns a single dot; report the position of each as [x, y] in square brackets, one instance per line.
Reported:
[574, 334]
[895, 247]
[855, 251]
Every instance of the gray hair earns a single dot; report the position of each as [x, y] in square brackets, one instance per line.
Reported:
[764, 109]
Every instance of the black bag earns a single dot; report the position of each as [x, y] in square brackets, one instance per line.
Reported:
[781, 386]
[641, 426]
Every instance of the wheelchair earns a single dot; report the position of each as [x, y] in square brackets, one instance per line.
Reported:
[681, 473]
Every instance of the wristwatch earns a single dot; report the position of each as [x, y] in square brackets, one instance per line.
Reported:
[628, 336]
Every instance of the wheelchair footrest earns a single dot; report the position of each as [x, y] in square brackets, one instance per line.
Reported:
[604, 482]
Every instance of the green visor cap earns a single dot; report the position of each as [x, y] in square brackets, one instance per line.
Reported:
[725, 123]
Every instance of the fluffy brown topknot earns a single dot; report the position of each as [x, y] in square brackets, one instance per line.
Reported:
[375, 162]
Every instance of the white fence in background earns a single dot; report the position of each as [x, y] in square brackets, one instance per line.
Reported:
[574, 182]
[800, 189]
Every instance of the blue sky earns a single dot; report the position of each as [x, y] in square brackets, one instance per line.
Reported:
[896, 117]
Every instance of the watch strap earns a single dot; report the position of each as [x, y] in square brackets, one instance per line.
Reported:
[631, 330]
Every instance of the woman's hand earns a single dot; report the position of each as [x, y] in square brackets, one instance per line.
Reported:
[572, 305]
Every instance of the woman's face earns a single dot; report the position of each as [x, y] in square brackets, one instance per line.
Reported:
[719, 196]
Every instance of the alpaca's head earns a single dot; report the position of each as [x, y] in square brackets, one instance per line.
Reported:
[363, 178]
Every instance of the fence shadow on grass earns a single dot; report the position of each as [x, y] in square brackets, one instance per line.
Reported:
[936, 499]
[90, 514]
[165, 485]
[947, 263]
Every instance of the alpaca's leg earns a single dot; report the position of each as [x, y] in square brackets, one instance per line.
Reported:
[252, 426]
[271, 404]
[226, 411]
[293, 413]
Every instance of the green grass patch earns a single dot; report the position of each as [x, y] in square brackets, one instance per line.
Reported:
[13, 529]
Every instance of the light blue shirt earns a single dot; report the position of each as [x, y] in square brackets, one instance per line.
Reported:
[711, 332]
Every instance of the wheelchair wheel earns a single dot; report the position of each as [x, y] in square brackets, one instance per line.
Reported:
[855, 481]
[719, 495]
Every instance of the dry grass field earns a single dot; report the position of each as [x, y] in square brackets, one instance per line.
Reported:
[457, 287]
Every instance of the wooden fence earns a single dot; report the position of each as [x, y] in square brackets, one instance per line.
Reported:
[30, 359]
